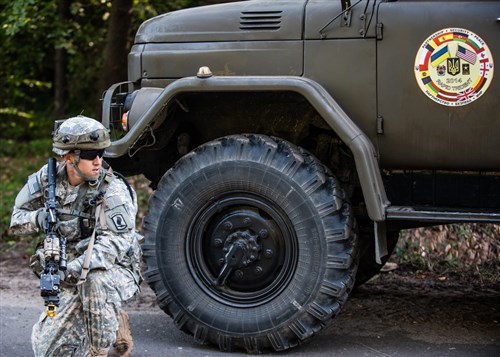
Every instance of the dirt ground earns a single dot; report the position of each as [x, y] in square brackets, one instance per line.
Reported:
[446, 308]
[427, 307]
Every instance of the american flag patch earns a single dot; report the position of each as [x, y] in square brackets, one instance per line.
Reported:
[466, 55]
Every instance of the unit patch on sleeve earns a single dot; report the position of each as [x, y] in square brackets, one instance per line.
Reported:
[454, 67]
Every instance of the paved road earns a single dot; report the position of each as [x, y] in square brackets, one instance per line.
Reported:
[383, 318]
[155, 335]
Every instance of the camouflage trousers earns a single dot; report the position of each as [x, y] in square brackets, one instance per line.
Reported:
[87, 317]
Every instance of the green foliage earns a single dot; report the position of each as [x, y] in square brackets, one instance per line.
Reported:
[23, 159]
[30, 33]
[13, 149]
[25, 65]
[22, 126]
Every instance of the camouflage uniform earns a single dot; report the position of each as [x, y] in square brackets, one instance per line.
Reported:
[88, 314]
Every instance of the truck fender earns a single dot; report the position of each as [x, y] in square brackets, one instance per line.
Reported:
[364, 153]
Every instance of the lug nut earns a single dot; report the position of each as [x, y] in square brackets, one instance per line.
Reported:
[268, 253]
[227, 226]
[263, 233]
[218, 242]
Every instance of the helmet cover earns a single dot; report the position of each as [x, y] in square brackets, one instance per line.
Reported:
[80, 133]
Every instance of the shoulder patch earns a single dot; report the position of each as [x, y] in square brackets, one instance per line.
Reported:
[117, 217]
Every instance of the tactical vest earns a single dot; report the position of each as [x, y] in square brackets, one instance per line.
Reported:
[77, 221]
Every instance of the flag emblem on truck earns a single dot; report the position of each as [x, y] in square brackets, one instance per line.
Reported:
[454, 67]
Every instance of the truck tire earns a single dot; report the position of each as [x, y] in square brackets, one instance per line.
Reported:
[250, 244]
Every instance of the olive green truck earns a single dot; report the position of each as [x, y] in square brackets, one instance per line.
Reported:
[288, 143]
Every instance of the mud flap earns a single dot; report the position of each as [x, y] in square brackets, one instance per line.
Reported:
[380, 241]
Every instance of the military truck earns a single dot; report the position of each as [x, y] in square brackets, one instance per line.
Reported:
[288, 142]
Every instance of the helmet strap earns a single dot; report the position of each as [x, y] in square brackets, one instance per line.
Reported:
[91, 180]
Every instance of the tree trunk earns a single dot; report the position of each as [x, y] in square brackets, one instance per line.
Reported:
[117, 45]
[60, 61]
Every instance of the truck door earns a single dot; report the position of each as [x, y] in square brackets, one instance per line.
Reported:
[340, 54]
[437, 93]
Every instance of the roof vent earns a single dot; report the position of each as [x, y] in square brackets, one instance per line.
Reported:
[260, 20]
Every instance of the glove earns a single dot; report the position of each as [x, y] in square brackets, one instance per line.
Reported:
[37, 262]
[69, 278]
[41, 219]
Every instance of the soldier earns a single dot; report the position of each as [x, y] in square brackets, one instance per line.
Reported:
[89, 315]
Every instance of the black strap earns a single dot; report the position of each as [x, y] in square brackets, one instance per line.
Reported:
[124, 179]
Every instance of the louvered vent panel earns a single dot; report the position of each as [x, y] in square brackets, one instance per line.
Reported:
[260, 20]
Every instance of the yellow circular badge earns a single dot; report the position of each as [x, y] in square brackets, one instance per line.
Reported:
[454, 67]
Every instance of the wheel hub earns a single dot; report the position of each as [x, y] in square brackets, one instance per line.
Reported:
[247, 241]
[243, 248]
[240, 237]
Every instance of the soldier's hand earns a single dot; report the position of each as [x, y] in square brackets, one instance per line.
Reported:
[41, 218]
[37, 262]
[69, 278]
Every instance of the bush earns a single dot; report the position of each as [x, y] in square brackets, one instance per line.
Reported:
[24, 127]
[23, 160]
[10, 148]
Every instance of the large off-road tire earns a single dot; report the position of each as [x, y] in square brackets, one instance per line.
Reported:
[250, 244]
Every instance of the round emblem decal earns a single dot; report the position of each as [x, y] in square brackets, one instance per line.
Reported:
[454, 67]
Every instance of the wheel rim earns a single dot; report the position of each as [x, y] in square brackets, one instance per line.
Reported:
[242, 249]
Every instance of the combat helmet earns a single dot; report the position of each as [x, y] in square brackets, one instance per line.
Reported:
[80, 133]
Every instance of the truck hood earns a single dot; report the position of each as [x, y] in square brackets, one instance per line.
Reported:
[241, 21]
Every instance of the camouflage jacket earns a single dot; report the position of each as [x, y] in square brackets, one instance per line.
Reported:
[116, 241]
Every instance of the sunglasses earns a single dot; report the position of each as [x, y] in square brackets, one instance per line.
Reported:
[91, 154]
